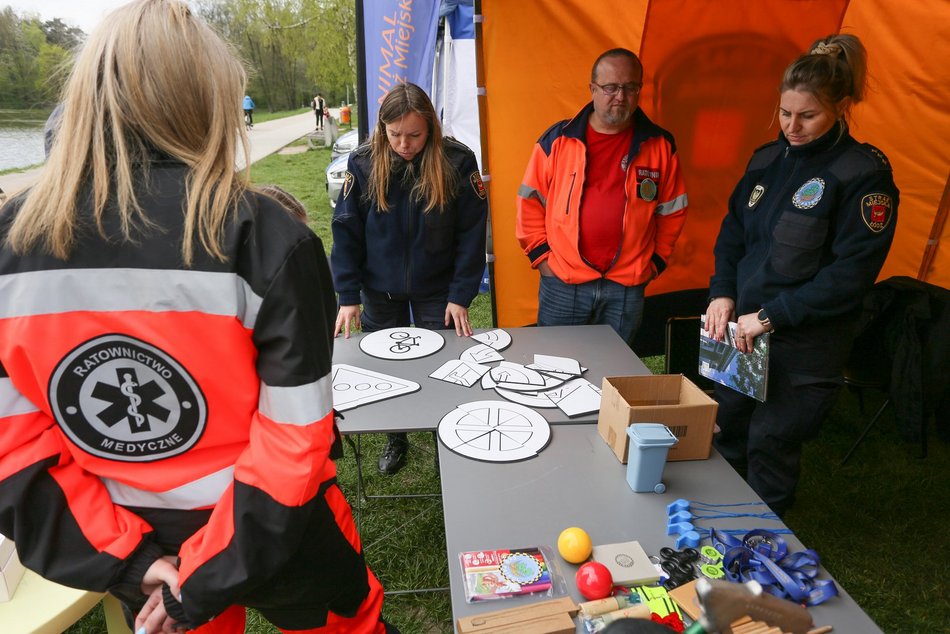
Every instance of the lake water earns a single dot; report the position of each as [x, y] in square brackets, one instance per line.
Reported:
[21, 138]
[21, 147]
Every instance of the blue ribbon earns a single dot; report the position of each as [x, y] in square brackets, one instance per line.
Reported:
[763, 556]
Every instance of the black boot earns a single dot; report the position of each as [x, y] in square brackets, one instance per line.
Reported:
[394, 454]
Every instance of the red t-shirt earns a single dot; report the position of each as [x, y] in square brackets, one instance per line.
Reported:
[604, 198]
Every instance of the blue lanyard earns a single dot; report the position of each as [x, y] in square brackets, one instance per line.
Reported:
[763, 556]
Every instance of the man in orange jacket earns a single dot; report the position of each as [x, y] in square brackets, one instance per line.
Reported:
[601, 204]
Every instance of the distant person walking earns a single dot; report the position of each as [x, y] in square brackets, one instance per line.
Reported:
[319, 105]
[248, 111]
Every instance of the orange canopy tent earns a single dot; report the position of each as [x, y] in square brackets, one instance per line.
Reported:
[711, 71]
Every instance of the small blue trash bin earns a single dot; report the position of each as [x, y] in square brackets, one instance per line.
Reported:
[649, 445]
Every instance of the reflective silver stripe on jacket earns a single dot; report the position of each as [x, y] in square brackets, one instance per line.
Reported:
[672, 206]
[201, 493]
[527, 192]
[12, 402]
[299, 405]
[105, 290]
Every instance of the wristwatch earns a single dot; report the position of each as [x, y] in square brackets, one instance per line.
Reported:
[764, 320]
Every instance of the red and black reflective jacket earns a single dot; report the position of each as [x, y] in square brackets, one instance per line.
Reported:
[148, 408]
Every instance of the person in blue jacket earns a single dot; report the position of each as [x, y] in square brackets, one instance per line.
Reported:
[408, 230]
[249, 111]
[807, 232]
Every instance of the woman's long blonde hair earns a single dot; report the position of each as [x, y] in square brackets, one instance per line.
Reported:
[152, 77]
[437, 178]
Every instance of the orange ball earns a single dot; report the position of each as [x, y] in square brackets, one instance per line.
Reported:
[574, 545]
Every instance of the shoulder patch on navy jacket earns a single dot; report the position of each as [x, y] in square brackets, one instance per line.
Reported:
[478, 185]
[764, 154]
[877, 209]
[347, 184]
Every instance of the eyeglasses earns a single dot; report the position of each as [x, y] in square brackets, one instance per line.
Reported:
[612, 89]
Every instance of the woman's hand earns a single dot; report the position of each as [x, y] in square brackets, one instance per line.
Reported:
[459, 315]
[152, 618]
[347, 315]
[747, 329]
[718, 314]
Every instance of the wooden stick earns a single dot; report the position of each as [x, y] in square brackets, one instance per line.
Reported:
[824, 629]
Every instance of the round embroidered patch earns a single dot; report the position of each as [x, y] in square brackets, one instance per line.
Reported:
[809, 194]
[120, 398]
[647, 189]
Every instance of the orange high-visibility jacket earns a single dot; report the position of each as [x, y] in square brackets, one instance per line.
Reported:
[549, 202]
[149, 409]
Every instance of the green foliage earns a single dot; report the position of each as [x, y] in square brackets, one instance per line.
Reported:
[33, 57]
[292, 48]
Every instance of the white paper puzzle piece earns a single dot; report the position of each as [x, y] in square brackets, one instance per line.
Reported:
[402, 343]
[494, 431]
[531, 399]
[497, 339]
[564, 365]
[353, 386]
[550, 382]
[460, 372]
[516, 376]
[481, 353]
[576, 398]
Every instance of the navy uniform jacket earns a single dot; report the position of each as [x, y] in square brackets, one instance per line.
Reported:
[404, 251]
[806, 235]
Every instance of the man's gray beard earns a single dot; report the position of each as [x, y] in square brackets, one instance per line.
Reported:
[615, 120]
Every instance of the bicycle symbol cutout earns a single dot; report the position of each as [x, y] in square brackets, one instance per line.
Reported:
[402, 343]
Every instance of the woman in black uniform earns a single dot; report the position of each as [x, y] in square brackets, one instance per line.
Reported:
[408, 230]
[807, 231]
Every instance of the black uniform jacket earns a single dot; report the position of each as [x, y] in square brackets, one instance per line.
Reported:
[404, 251]
[806, 234]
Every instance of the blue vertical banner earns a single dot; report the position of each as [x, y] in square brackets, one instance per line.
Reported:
[399, 39]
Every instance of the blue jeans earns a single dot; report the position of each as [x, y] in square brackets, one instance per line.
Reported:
[596, 302]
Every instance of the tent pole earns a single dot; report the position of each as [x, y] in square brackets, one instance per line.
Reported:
[483, 133]
[936, 230]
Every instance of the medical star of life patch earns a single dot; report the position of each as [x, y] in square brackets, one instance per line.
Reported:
[478, 185]
[122, 399]
[877, 211]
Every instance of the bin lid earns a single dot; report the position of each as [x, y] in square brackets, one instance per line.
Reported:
[652, 434]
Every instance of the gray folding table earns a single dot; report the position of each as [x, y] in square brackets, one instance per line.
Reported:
[577, 481]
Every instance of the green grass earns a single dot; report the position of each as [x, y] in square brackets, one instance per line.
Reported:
[879, 523]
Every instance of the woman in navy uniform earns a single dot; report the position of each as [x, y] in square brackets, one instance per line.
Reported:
[808, 228]
[408, 230]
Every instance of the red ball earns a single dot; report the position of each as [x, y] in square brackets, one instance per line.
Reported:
[594, 581]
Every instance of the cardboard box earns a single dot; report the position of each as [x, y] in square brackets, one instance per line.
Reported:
[11, 570]
[670, 399]
[547, 617]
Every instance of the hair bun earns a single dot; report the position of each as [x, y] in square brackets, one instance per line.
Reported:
[826, 49]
